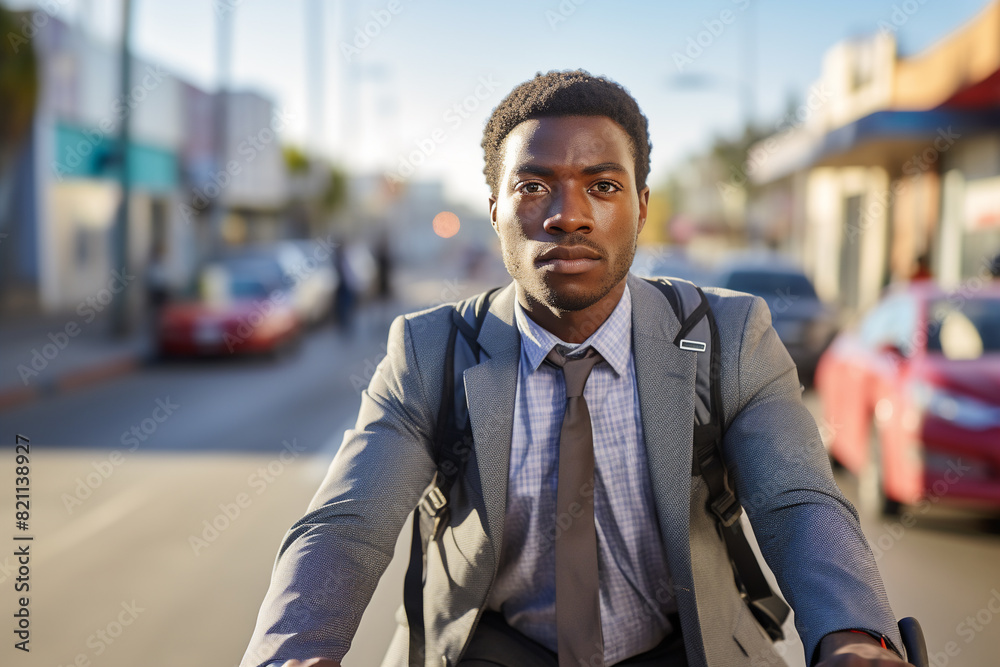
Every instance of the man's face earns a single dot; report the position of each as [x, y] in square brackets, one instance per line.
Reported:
[567, 211]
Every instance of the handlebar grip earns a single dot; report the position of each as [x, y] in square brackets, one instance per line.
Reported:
[913, 642]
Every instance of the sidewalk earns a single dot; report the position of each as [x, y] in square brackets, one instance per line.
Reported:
[52, 354]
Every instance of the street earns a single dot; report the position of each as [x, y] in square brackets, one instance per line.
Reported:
[158, 501]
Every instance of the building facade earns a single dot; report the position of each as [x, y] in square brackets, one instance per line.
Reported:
[897, 172]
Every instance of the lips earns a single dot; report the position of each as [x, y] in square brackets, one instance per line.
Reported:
[568, 259]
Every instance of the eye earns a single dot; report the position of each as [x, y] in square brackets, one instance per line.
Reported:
[532, 188]
[606, 187]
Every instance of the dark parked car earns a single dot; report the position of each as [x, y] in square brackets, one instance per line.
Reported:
[804, 323]
[670, 262]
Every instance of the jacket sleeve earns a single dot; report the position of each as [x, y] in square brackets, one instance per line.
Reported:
[331, 559]
[808, 533]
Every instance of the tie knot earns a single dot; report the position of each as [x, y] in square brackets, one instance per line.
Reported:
[576, 370]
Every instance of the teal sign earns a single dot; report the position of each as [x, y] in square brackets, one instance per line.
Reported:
[90, 153]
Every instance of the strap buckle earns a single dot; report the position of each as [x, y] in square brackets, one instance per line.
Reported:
[433, 502]
[435, 512]
[693, 345]
[727, 509]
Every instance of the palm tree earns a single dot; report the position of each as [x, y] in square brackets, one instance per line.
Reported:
[18, 97]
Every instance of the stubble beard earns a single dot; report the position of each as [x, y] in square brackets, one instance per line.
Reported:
[538, 288]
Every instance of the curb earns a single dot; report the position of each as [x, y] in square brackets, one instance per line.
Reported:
[11, 397]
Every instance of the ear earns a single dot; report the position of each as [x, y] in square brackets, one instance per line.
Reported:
[643, 208]
[493, 214]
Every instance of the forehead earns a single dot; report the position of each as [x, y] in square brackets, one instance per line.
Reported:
[567, 141]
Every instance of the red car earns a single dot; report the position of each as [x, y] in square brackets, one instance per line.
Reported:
[911, 397]
[251, 319]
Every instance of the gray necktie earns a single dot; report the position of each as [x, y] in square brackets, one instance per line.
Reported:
[578, 608]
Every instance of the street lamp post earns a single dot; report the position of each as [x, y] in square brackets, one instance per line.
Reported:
[121, 322]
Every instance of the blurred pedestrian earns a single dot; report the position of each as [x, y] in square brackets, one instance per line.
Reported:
[995, 266]
[923, 270]
[345, 298]
[384, 266]
[157, 285]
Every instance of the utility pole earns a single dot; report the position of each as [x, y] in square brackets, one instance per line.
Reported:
[121, 320]
[316, 67]
[223, 54]
[750, 66]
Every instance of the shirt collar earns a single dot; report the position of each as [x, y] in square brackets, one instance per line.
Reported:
[613, 339]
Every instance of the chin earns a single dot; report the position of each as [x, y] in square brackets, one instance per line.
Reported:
[572, 297]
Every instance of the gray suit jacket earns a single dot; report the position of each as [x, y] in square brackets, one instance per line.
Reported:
[332, 558]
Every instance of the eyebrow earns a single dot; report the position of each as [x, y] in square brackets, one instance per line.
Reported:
[540, 170]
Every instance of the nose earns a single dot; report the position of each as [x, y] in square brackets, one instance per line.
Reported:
[570, 212]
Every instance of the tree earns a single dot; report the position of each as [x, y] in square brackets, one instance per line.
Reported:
[18, 98]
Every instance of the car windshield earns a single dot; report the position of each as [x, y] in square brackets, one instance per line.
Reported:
[770, 284]
[965, 329]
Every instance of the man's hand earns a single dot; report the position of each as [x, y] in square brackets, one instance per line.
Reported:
[312, 662]
[855, 649]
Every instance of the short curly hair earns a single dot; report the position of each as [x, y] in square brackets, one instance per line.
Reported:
[566, 93]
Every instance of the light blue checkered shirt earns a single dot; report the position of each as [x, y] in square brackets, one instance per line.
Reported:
[634, 580]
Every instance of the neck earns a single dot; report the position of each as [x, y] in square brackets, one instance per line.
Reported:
[572, 326]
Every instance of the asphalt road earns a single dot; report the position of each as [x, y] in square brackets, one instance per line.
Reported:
[140, 557]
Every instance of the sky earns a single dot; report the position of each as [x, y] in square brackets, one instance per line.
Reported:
[411, 96]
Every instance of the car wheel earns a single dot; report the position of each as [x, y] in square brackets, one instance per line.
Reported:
[871, 487]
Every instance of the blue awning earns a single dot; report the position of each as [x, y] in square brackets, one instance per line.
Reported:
[882, 138]
[904, 127]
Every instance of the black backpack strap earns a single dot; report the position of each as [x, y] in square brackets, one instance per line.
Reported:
[699, 333]
[451, 447]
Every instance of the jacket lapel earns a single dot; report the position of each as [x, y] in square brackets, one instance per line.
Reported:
[490, 387]
[665, 376]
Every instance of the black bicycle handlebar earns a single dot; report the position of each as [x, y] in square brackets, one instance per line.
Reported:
[913, 642]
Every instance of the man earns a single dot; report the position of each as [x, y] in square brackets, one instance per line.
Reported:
[507, 581]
